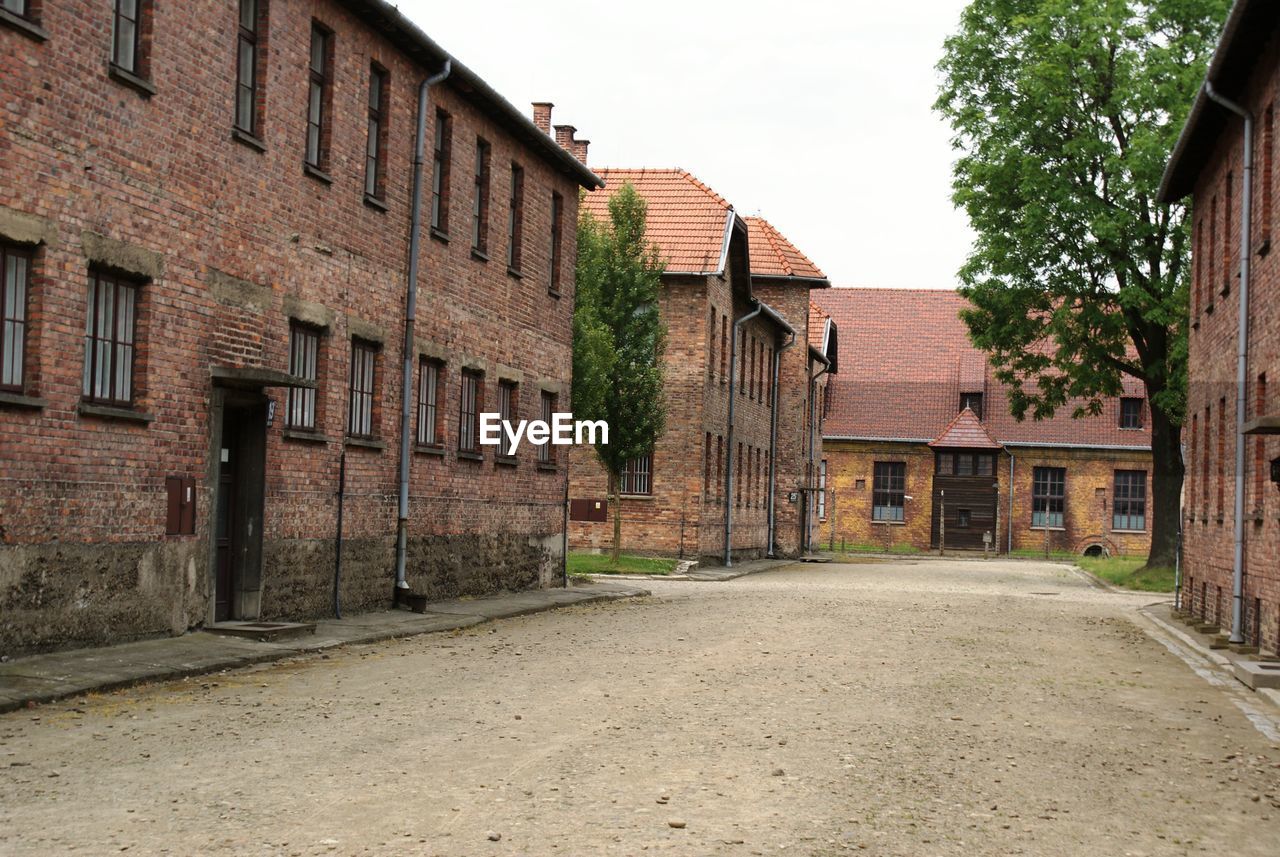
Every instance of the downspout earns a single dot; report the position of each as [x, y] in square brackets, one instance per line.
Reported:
[728, 487]
[1012, 458]
[1242, 360]
[773, 443]
[810, 503]
[411, 311]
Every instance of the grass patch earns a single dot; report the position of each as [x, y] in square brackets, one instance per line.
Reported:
[1032, 553]
[1123, 571]
[602, 563]
[847, 549]
[904, 549]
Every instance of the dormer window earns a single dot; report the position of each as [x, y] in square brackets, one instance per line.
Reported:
[972, 401]
[1131, 413]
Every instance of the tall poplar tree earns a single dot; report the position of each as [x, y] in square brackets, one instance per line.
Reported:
[1065, 113]
[618, 338]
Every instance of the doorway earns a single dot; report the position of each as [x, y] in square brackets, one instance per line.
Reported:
[240, 457]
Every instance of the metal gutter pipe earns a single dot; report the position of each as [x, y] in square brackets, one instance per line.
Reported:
[1242, 360]
[813, 430]
[728, 479]
[773, 443]
[410, 315]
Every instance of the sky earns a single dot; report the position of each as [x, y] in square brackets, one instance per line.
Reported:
[815, 115]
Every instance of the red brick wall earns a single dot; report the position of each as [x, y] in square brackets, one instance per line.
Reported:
[1087, 513]
[85, 557]
[1209, 525]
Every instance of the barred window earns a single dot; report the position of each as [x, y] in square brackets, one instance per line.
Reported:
[15, 268]
[637, 476]
[109, 339]
[557, 228]
[822, 490]
[480, 202]
[429, 424]
[469, 412]
[507, 407]
[888, 491]
[1129, 506]
[1048, 496]
[304, 352]
[546, 452]
[515, 219]
[364, 358]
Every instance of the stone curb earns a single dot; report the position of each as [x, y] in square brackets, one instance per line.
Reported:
[109, 668]
[712, 574]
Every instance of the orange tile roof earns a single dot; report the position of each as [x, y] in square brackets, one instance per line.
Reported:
[818, 318]
[687, 219]
[965, 432]
[772, 255]
[905, 358]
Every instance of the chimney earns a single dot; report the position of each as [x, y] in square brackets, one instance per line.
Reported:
[542, 116]
[564, 136]
[580, 150]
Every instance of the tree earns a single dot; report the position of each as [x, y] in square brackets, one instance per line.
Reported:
[1065, 112]
[618, 338]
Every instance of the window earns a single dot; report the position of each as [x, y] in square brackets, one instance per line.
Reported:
[364, 358]
[751, 378]
[1222, 456]
[724, 346]
[442, 151]
[706, 467]
[507, 408]
[557, 227]
[304, 351]
[963, 517]
[1194, 487]
[1131, 413]
[737, 488]
[972, 401]
[1129, 509]
[17, 7]
[480, 204]
[15, 268]
[1212, 248]
[318, 97]
[768, 379]
[888, 491]
[469, 412]
[1197, 281]
[109, 339]
[1268, 155]
[128, 21]
[1048, 496]
[1228, 207]
[822, 490]
[515, 219]
[1204, 464]
[430, 429]
[1259, 445]
[253, 19]
[711, 344]
[547, 452]
[374, 159]
[637, 476]
[719, 468]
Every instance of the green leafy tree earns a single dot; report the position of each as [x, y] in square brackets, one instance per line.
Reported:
[1064, 113]
[618, 338]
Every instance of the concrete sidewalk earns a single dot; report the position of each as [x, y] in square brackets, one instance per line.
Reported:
[45, 678]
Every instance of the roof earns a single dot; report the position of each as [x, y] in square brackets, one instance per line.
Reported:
[772, 255]
[965, 432]
[687, 221]
[386, 19]
[1251, 25]
[822, 337]
[905, 358]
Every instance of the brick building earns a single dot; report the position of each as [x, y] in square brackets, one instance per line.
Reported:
[205, 232]
[920, 451]
[735, 299]
[1229, 495]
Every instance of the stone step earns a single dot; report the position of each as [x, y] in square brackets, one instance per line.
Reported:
[263, 632]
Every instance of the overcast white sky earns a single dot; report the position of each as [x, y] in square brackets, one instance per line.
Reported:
[815, 115]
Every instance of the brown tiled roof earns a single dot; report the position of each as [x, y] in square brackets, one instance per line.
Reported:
[687, 219]
[817, 326]
[772, 255]
[905, 358]
[965, 432]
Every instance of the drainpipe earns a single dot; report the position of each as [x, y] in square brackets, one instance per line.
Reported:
[813, 430]
[1242, 360]
[773, 443]
[728, 488]
[411, 311]
[1011, 460]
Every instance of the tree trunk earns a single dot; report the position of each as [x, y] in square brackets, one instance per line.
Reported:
[1166, 489]
[614, 501]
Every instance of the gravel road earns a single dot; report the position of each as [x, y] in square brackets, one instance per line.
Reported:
[898, 708]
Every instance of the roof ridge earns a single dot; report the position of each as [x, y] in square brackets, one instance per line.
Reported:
[703, 186]
[772, 235]
[956, 420]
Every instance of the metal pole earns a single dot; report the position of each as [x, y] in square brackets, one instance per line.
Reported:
[1242, 361]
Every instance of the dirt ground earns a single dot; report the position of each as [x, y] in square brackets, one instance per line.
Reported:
[905, 708]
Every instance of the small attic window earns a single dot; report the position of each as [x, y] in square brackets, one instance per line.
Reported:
[972, 401]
